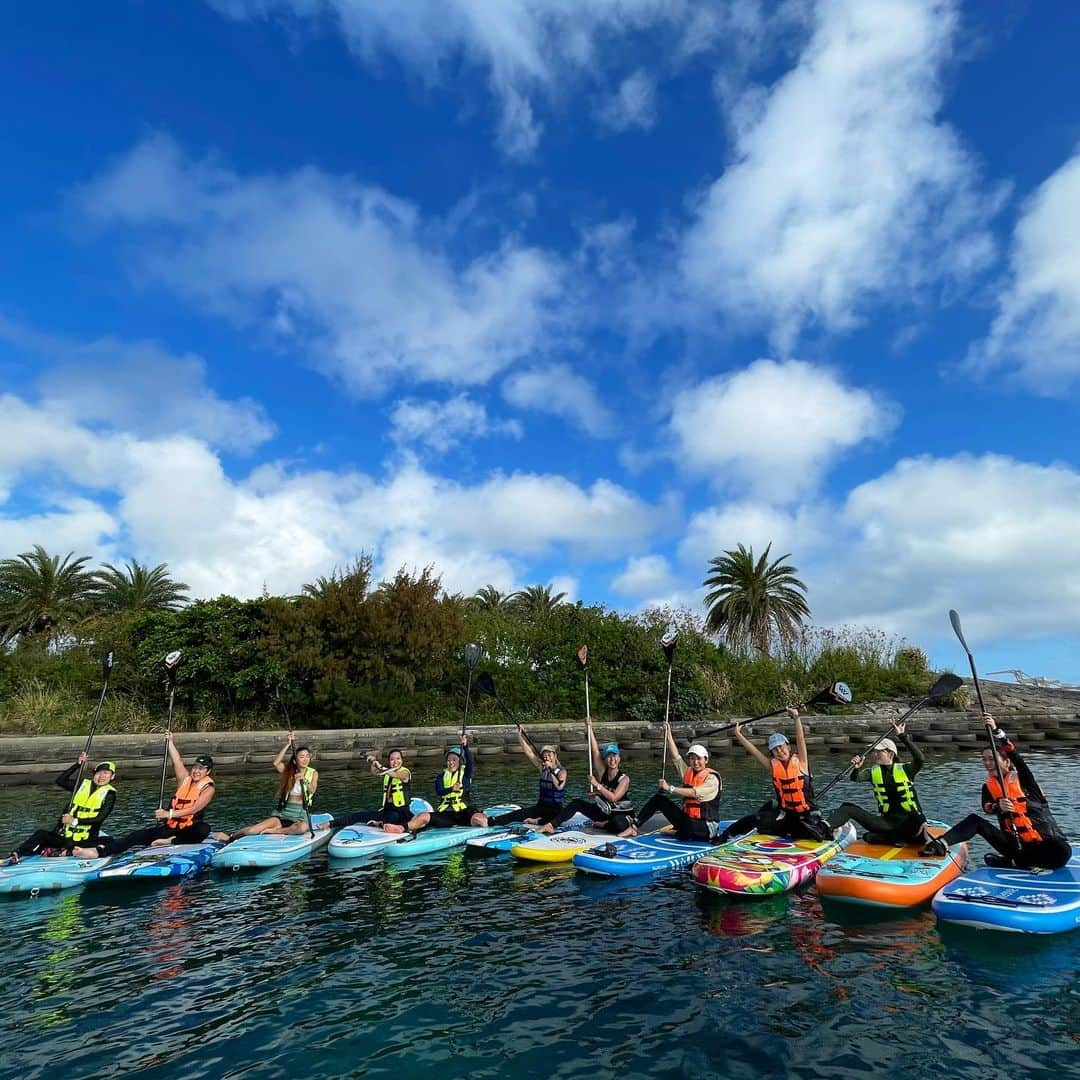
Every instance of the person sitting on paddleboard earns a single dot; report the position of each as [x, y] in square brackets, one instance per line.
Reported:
[901, 820]
[552, 794]
[91, 804]
[452, 787]
[181, 823]
[1029, 836]
[609, 807]
[296, 790]
[793, 812]
[394, 814]
[700, 792]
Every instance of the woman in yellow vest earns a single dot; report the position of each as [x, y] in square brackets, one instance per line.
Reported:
[1029, 836]
[452, 787]
[92, 802]
[900, 819]
[296, 790]
[181, 823]
[394, 814]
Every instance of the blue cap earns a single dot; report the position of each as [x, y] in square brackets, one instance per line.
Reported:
[454, 750]
[609, 748]
[777, 739]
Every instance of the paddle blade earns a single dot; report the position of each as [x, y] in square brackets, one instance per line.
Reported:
[668, 643]
[106, 665]
[485, 684]
[472, 656]
[583, 656]
[839, 693]
[955, 620]
[945, 685]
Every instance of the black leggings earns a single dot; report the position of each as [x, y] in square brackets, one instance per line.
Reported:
[389, 815]
[544, 811]
[45, 838]
[449, 819]
[772, 821]
[615, 822]
[686, 827]
[195, 833]
[905, 829]
[1050, 853]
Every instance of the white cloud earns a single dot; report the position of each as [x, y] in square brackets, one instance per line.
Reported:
[346, 270]
[533, 50]
[633, 105]
[996, 538]
[1037, 328]
[774, 428]
[844, 187]
[442, 425]
[644, 576]
[559, 390]
[138, 386]
[802, 531]
[175, 503]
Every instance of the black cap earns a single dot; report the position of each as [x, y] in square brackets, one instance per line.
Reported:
[205, 760]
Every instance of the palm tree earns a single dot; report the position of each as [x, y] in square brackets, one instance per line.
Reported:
[137, 588]
[489, 599]
[536, 601]
[42, 597]
[751, 602]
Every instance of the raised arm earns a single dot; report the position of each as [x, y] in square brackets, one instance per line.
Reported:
[751, 749]
[66, 779]
[177, 761]
[594, 748]
[279, 761]
[673, 749]
[800, 740]
[527, 750]
[917, 759]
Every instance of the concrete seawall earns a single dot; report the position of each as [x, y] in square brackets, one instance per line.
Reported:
[38, 759]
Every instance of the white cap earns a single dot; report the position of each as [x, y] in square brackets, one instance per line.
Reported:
[887, 744]
[698, 749]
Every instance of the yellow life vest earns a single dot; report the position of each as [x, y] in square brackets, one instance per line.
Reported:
[86, 805]
[453, 800]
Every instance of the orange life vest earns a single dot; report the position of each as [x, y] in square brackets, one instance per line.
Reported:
[693, 807]
[790, 785]
[1025, 831]
[187, 794]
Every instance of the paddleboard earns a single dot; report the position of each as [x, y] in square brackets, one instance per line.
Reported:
[1023, 901]
[35, 874]
[509, 836]
[639, 855]
[563, 846]
[889, 875]
[167, 861]
[360, 841]
[271, 849]
[434, 840]
[760, 865]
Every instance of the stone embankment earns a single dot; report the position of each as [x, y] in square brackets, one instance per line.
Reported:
[1036, 719]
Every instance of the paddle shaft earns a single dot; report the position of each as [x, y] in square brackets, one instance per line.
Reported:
[955, 619]
[588, 732]
[667, 720]
[90, 735]
[165, 756]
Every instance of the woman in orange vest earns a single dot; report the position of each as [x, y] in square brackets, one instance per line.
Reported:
[1029, 836]
[700, 792]
[181, 823]
[792, 811]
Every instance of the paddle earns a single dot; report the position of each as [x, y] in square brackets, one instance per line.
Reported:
[667, 643]
[954, 618]
[171, 662]
[583, 661]
[106, 671]
[945, 685]
[472, 658]
[838, 693]
[485, 684]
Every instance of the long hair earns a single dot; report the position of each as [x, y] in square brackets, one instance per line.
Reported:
[289, 775]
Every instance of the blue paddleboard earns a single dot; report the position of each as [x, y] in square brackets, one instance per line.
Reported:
[272, 849]
[49, 873]
[652, 853]
[359, 841]
[1025, 901]
[166, 861]
[434, 840]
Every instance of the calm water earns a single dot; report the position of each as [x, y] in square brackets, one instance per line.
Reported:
[459, 966]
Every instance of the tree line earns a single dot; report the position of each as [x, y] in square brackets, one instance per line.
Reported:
[351, 652]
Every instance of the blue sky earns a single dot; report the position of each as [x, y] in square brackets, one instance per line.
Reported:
[555, 292]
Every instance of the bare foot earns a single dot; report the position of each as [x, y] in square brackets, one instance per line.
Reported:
[222, 836]
[391, 828]
[630, 830]
[165, 841]
[547, 829]
[86, 853]
[531, 821]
